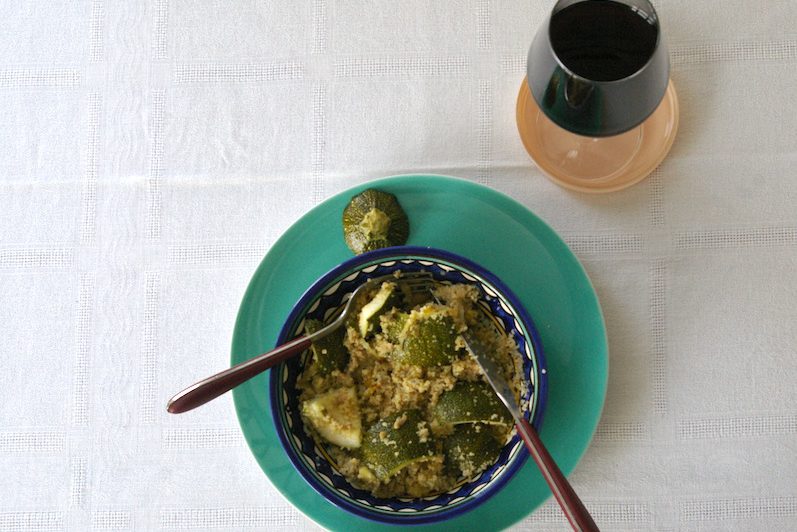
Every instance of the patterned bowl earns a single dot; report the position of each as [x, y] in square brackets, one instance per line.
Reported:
[327, 295]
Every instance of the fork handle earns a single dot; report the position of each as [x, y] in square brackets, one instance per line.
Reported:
[575, 511]
[207, 389]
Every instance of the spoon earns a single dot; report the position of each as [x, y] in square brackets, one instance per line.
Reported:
[208, 389]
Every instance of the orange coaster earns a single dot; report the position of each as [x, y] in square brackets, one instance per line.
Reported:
[603, 164]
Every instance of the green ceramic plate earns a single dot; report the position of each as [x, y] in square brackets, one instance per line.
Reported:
[496, 232]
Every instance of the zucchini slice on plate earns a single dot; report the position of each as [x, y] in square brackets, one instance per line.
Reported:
[385, 299]
[373, 219]
[471, 402]
[395, 442]
[429, 339]
[329, 353]
[335, 415]
[471, 448]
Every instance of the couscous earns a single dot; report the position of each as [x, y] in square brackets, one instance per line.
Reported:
[396, 401]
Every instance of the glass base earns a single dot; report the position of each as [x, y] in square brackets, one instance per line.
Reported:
[601, 164]
[588, 158]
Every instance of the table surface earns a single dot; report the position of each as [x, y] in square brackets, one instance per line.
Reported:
[152, 152]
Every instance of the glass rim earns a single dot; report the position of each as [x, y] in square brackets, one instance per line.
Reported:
[559, 6]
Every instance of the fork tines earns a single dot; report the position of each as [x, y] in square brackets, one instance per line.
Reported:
[417, 282]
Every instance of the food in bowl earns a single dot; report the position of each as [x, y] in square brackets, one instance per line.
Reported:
[310, 455]
[397, 402]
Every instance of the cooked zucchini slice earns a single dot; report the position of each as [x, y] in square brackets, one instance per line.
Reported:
[386, 298]
[329, 353]
[335, 415]
[471, 402]
[395, 442]
[428, 339]
[374, 219]
[471, 448]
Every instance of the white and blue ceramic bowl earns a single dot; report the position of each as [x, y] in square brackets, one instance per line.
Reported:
[326, 296]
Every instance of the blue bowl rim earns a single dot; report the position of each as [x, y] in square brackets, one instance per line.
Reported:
[398, 252]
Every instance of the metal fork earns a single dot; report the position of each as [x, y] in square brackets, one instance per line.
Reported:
[575, 511]
[224, 381]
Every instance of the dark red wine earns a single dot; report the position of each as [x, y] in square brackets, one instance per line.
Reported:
[603, 40]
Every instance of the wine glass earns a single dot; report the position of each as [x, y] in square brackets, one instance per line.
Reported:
[597, 111]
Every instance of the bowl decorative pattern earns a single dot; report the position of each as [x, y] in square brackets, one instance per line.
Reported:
[324, 299]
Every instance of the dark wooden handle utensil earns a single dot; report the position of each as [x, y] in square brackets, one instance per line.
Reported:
[208, 389]
[563, 492]
[575, 511]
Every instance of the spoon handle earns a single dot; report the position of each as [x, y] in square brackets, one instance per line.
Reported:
[207, 389]
[575, 511]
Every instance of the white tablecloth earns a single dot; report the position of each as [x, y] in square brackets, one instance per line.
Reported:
[152, 152]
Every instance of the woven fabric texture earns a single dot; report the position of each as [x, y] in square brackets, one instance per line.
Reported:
[152, 152]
